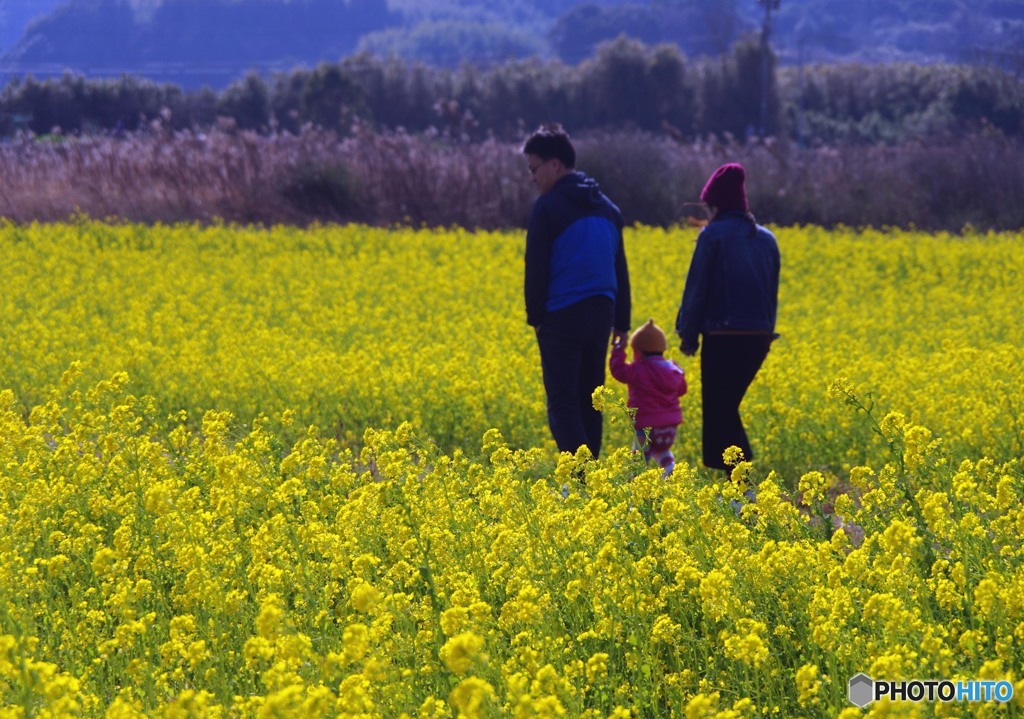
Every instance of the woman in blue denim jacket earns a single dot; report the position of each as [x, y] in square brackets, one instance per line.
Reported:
[730, 300]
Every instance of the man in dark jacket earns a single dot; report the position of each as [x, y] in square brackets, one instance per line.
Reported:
[577, 285]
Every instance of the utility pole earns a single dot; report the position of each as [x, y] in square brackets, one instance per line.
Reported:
[800, 38]
[766, 29]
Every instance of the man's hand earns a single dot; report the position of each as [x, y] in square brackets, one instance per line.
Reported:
[688, 351]
[619, 340]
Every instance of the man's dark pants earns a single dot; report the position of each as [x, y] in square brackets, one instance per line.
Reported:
[728, 364]
[573, 352]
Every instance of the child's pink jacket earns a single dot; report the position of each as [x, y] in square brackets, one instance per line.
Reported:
[655, 386]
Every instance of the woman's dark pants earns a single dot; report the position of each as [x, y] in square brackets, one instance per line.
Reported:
[573, 352]
[728, 364]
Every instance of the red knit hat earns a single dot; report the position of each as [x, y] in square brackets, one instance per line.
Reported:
[725, 188]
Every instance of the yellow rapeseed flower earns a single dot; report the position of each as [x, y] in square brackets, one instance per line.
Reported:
[470, 697]
[462, 651]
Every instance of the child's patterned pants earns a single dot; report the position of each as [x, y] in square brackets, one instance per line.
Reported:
[657, 445]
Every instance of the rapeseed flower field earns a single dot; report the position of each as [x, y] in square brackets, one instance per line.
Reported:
[306, 473]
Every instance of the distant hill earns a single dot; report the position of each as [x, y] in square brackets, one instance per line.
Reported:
[16, 15]
[193, 42]
[901, 30]
[196, 42]
[809, 30]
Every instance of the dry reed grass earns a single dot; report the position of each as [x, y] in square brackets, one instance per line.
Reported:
[388, 178]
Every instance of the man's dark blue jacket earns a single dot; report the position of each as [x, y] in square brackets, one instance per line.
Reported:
[574, 250]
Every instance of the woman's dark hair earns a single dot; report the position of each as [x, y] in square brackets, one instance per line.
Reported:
[551, 142]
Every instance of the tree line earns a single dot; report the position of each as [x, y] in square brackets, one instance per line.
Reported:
[625, 84]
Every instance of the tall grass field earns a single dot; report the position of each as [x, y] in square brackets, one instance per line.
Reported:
[292, 472]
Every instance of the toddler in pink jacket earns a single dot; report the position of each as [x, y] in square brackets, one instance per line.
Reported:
[655, 386]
